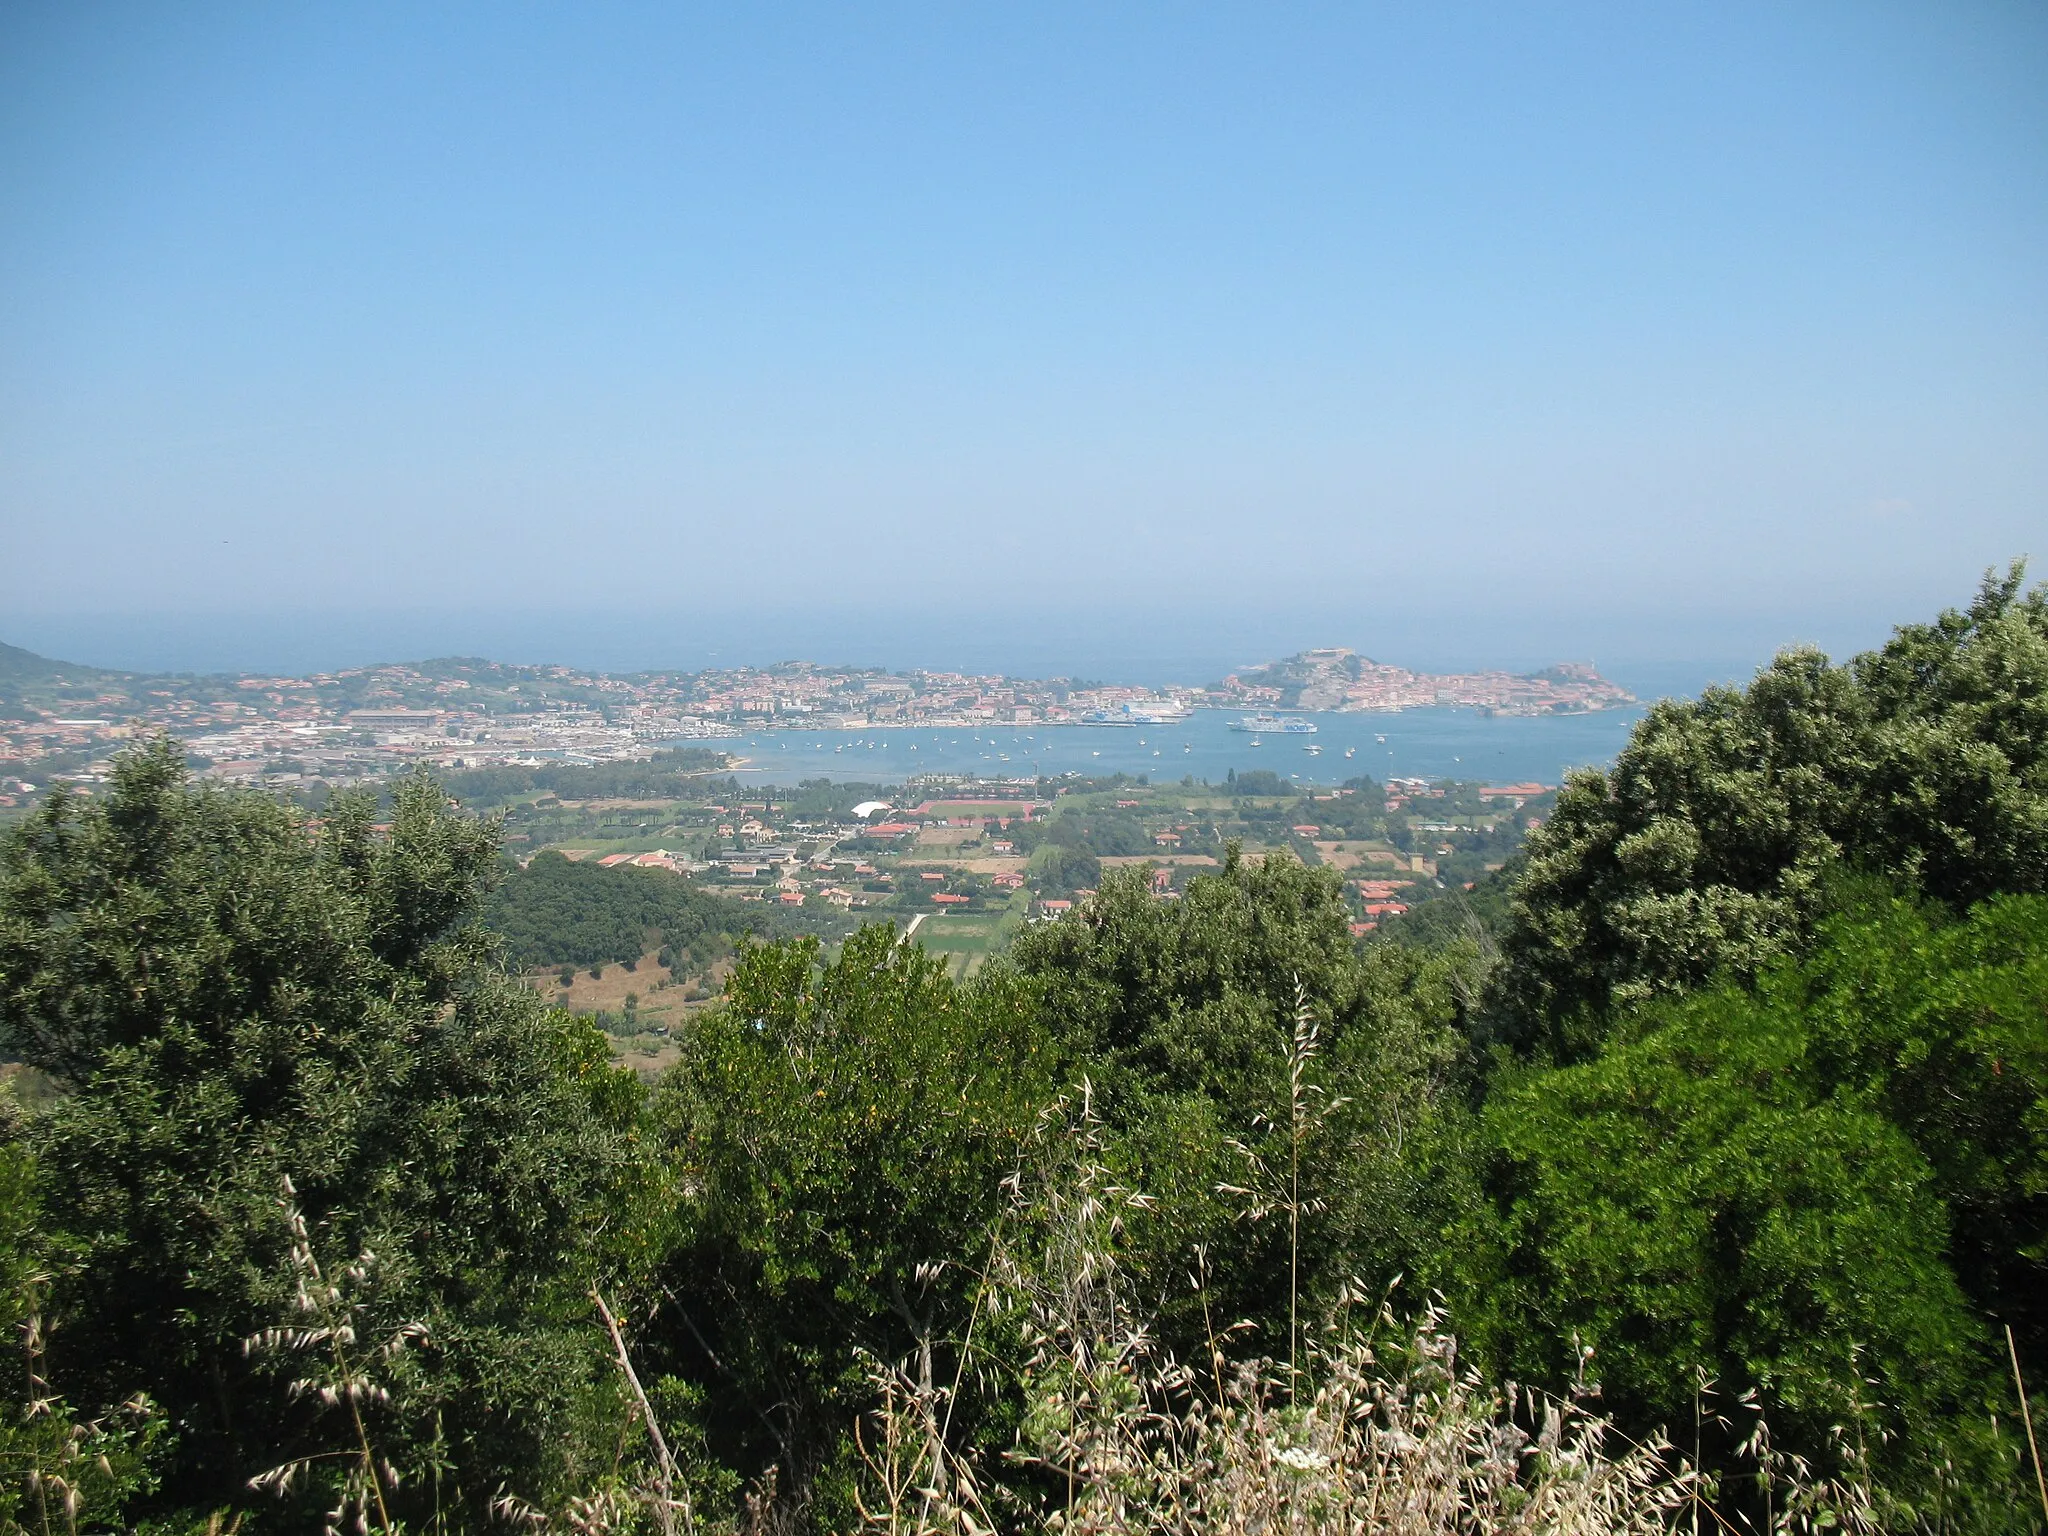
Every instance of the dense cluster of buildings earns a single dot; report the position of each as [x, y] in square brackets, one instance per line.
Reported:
[455, 714]
[827, 698]
[1340, 679]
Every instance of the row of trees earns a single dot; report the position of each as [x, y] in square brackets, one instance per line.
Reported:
[1750, 1104]
[667, 775]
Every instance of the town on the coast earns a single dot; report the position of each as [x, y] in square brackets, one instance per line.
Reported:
[620, 791]
[466, 713]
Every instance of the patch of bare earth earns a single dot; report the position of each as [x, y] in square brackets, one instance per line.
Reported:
[661, 1002]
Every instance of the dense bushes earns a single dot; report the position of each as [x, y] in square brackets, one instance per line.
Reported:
[1739, 1109]
[1829, 1188]
[841, 1134]
[1186, 1018]
[233, 1001]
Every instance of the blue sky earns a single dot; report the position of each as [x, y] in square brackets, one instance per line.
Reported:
[1449, 332]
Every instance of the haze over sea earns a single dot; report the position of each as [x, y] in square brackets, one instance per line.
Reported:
[1195, 644]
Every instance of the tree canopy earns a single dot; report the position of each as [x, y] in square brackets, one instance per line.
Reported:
[1730, 1100]
[1708, 846]
[232, 998]
[558, 910]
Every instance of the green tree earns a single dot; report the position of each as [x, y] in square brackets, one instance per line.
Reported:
[1708, 847]
[54, 1469]
[232, 997]
[842, 1131]
[1183, 1015]
[560, 911]
[1832, 1186]
[1063, 868]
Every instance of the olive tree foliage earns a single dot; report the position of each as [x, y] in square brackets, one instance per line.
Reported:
[1708, 847]
[231, 996]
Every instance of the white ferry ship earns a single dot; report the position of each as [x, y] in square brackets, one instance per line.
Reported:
[1274, 725]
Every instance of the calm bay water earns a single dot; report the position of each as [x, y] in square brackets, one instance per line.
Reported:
[1419, 743]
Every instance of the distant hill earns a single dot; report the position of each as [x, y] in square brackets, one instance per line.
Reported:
[20, 666]
[30, 684]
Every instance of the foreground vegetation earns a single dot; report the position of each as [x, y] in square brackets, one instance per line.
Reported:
[1695, 1176]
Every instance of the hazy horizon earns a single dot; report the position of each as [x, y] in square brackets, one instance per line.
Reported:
[1200, 647]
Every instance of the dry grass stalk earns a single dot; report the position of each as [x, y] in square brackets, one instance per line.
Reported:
[665, 1502]
[2027, 1417]
[340, 1374]
[661, 1493]
[1308, 1108]
[1122, 1440]
[66, 1462]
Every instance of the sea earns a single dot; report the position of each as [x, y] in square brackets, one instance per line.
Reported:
[1438, 743]
[1194, 648]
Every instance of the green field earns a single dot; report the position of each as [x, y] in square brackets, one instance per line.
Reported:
[966, 940]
